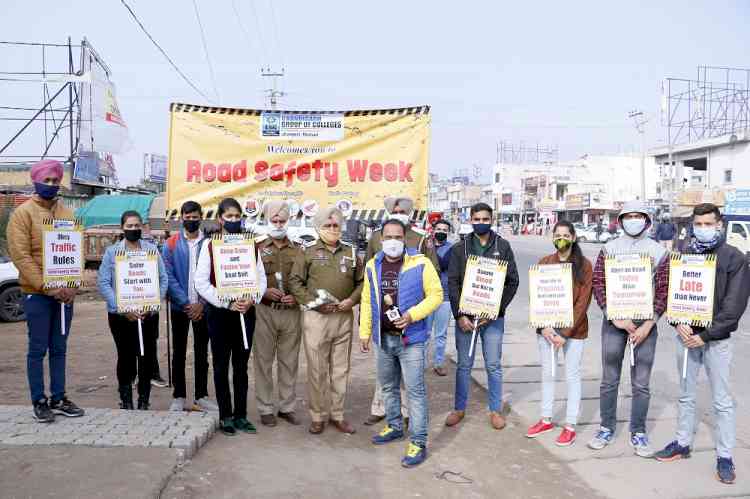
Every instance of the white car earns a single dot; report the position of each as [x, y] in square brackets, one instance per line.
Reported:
[588, 234]
[11, 296]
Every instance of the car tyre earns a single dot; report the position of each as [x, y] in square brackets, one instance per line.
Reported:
[11, 304]
[582, 239]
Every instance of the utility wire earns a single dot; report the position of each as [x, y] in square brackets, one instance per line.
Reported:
[205, 49]
[187, 80]
[258, 31]
[246, 34]
[276, 33]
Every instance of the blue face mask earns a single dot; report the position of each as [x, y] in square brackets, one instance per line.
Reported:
[481, 229]
[45, 191]
[233, 227]
[705, 234]
[633, 226]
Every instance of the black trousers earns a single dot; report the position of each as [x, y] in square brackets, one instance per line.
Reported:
[129, 360]
[227, 346]
[180, 328]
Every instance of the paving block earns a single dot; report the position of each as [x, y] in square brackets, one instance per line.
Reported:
[187, 443]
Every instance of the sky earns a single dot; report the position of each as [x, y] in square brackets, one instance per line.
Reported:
[560, 74]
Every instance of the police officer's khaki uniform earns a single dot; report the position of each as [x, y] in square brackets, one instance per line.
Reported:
[327, 337]
[278, 331]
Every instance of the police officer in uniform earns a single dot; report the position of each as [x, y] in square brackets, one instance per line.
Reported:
[327, 281]
[399, 208]
[278, 329]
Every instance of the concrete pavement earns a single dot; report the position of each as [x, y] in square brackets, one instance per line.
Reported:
[615, 471]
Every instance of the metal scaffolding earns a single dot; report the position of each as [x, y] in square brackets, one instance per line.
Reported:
[30, 131]
[522, 154]
[716, 103]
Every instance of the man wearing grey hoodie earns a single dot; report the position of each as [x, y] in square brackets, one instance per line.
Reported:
[635, 222]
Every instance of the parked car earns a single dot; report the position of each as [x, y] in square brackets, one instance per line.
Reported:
[588, 234]
[11, 296]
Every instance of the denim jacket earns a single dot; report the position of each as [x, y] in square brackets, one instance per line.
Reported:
[106, 278]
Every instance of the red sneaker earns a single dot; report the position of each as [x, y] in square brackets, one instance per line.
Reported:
[539, 428]
[566, 438]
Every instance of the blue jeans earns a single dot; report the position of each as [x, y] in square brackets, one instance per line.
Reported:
[43, 318]
[394, 361]
[492, 350]
[716, 358]
[437, 325]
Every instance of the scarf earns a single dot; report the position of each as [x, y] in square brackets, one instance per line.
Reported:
[701, 247]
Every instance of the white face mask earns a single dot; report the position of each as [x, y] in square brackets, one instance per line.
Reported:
[278, 232]
[633, 226]
[401, 217]
[393, 248]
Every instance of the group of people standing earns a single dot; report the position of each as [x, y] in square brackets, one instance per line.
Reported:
[408, 286]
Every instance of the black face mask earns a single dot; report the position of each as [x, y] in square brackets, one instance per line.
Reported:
[191, 225]
[233, 227]
[132, 235]
[441, 237]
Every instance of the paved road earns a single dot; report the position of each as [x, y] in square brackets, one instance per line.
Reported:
[615, 472]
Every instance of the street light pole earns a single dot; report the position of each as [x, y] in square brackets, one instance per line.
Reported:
[640, 120]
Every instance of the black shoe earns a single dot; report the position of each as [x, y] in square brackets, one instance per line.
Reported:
[227, 427]
[143, 404]
[126, 397]
[66, 408]
[42, 412]
[672, 452]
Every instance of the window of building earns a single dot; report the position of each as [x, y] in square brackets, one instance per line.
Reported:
[728, 176]
[497, 178]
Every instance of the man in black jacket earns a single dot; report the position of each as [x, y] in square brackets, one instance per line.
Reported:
[711, 347]
[482, 242]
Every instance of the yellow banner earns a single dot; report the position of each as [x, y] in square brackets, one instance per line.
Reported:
[352, 159]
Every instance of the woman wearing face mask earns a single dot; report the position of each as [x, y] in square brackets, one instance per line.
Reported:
[124, 327]
[570, 340]
[225, 329]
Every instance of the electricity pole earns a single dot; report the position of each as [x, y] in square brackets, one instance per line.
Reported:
[639, 120]
[273, 93]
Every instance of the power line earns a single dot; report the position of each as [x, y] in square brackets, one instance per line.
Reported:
[205, 49]
[276, 33]
[242, 25]
[257, 30]
[187, 80]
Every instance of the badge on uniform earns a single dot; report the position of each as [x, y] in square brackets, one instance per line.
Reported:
[267, 252]
[345, 263]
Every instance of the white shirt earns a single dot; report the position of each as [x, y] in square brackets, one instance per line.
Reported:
[193, 247]
[203, 279]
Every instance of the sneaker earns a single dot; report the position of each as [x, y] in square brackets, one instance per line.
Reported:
[566, 438]
[672, 452]
[415, 455]
[66, 408]
[42, 412]
[387, 435]
[205, 404]
[540, 427]
[227, 427]
[243, 424]
[725, 470]
[158, 382]
[177, 405]
[639, 443]
[602, 439]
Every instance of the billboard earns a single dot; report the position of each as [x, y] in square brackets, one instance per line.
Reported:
[316, 158]
[155, 167]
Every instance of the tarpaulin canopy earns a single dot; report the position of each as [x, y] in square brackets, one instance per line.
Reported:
[107, 209]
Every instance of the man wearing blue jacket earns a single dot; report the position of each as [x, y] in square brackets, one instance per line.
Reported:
[401, 290]
[180, 255]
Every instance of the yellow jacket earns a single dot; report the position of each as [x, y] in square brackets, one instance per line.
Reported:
[419, 294]
[24, 236]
